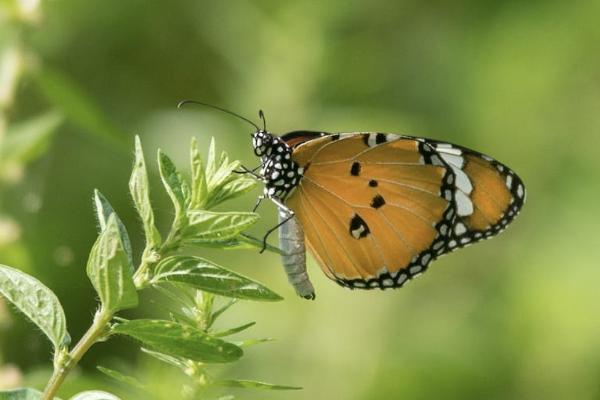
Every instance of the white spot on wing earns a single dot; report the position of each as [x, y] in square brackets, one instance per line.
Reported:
[464, 205]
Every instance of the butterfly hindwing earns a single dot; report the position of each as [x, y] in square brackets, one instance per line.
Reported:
[375, 209]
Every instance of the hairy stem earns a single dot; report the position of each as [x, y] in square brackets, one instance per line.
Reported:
[96, 330]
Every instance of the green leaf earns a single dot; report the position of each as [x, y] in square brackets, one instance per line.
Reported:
[178, 340]
[241, 242]
[175, 361]
[235, 330]
[246, 384]
[205, 275]
[109, 270]
[20, 394]
[103, 212]
[252, 342]
[118, 376]
[67, 96]
[94, 395]
[211, 161]
[37, 302]
[235, 187]
[25, 141]
[199, 188]
[173, 183]
[207, 227]
[140, 193]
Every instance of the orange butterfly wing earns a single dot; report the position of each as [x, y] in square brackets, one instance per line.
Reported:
[374, 211]
[377, 209]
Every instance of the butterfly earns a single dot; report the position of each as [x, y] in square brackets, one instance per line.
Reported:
[376, 209]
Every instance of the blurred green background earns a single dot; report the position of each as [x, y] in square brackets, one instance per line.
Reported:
[517, 317]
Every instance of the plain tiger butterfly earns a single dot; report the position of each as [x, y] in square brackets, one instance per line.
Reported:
[376, 209]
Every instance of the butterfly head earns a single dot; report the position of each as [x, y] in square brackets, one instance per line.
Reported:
[262, 141]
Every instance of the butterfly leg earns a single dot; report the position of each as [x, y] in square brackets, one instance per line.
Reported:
[258, 201]
[289, 215]
[246, 170]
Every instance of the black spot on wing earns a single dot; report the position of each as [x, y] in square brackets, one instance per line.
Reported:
[355, 169]
[373, 183]
[377, 201]
[380, 138]
[358, 227]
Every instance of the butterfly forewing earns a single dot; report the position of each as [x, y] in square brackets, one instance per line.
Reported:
[489, 195]
[375, 210]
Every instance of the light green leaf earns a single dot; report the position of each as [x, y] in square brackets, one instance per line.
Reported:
[211, 162]
[94, 395]
[209, 226]
[118, 376]
[20, 394]
[175, 361]
[241, 242]
[235, 330]
[173, 183]
[140, 193]
[103, 212]
[25, 141]
[37, 302]
[199, 188]
[234, 187]
[178, 340]
[109, 270]
[207, 276]
[252, 342]
[246, 384]
[77, 106]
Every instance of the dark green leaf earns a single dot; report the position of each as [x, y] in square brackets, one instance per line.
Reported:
[25, 141]
[37, 302]
[178, 340]
[173, 183]
[140, 192]
[209, 226]
[65, 94]
[246, 384]
[103, 212]
[109, 270]
[118, 376]
[235, 330]
[205, 275]
[20, 394]
[94, 395]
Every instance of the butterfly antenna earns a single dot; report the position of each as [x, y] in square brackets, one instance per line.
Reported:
[261, 115]
[184, 102]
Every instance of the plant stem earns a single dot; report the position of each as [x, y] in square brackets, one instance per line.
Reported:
[96, 330]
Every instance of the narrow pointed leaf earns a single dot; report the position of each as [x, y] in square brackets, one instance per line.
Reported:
[94, 395]
[205, 275]
[252, 342]
[232, 189]
[246, 384]
[25, 141]
[235, 330]
[77, 105]
[20, 394]
[175, 361]
[139, 188]
[103, 212]
[178, 340]
[173, 183]
[119, 376]
[109, 270]
[211, 162]
[37, 302]
[199, 188]
[209, 226]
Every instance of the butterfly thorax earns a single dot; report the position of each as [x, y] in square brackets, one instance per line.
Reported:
[279, 171]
